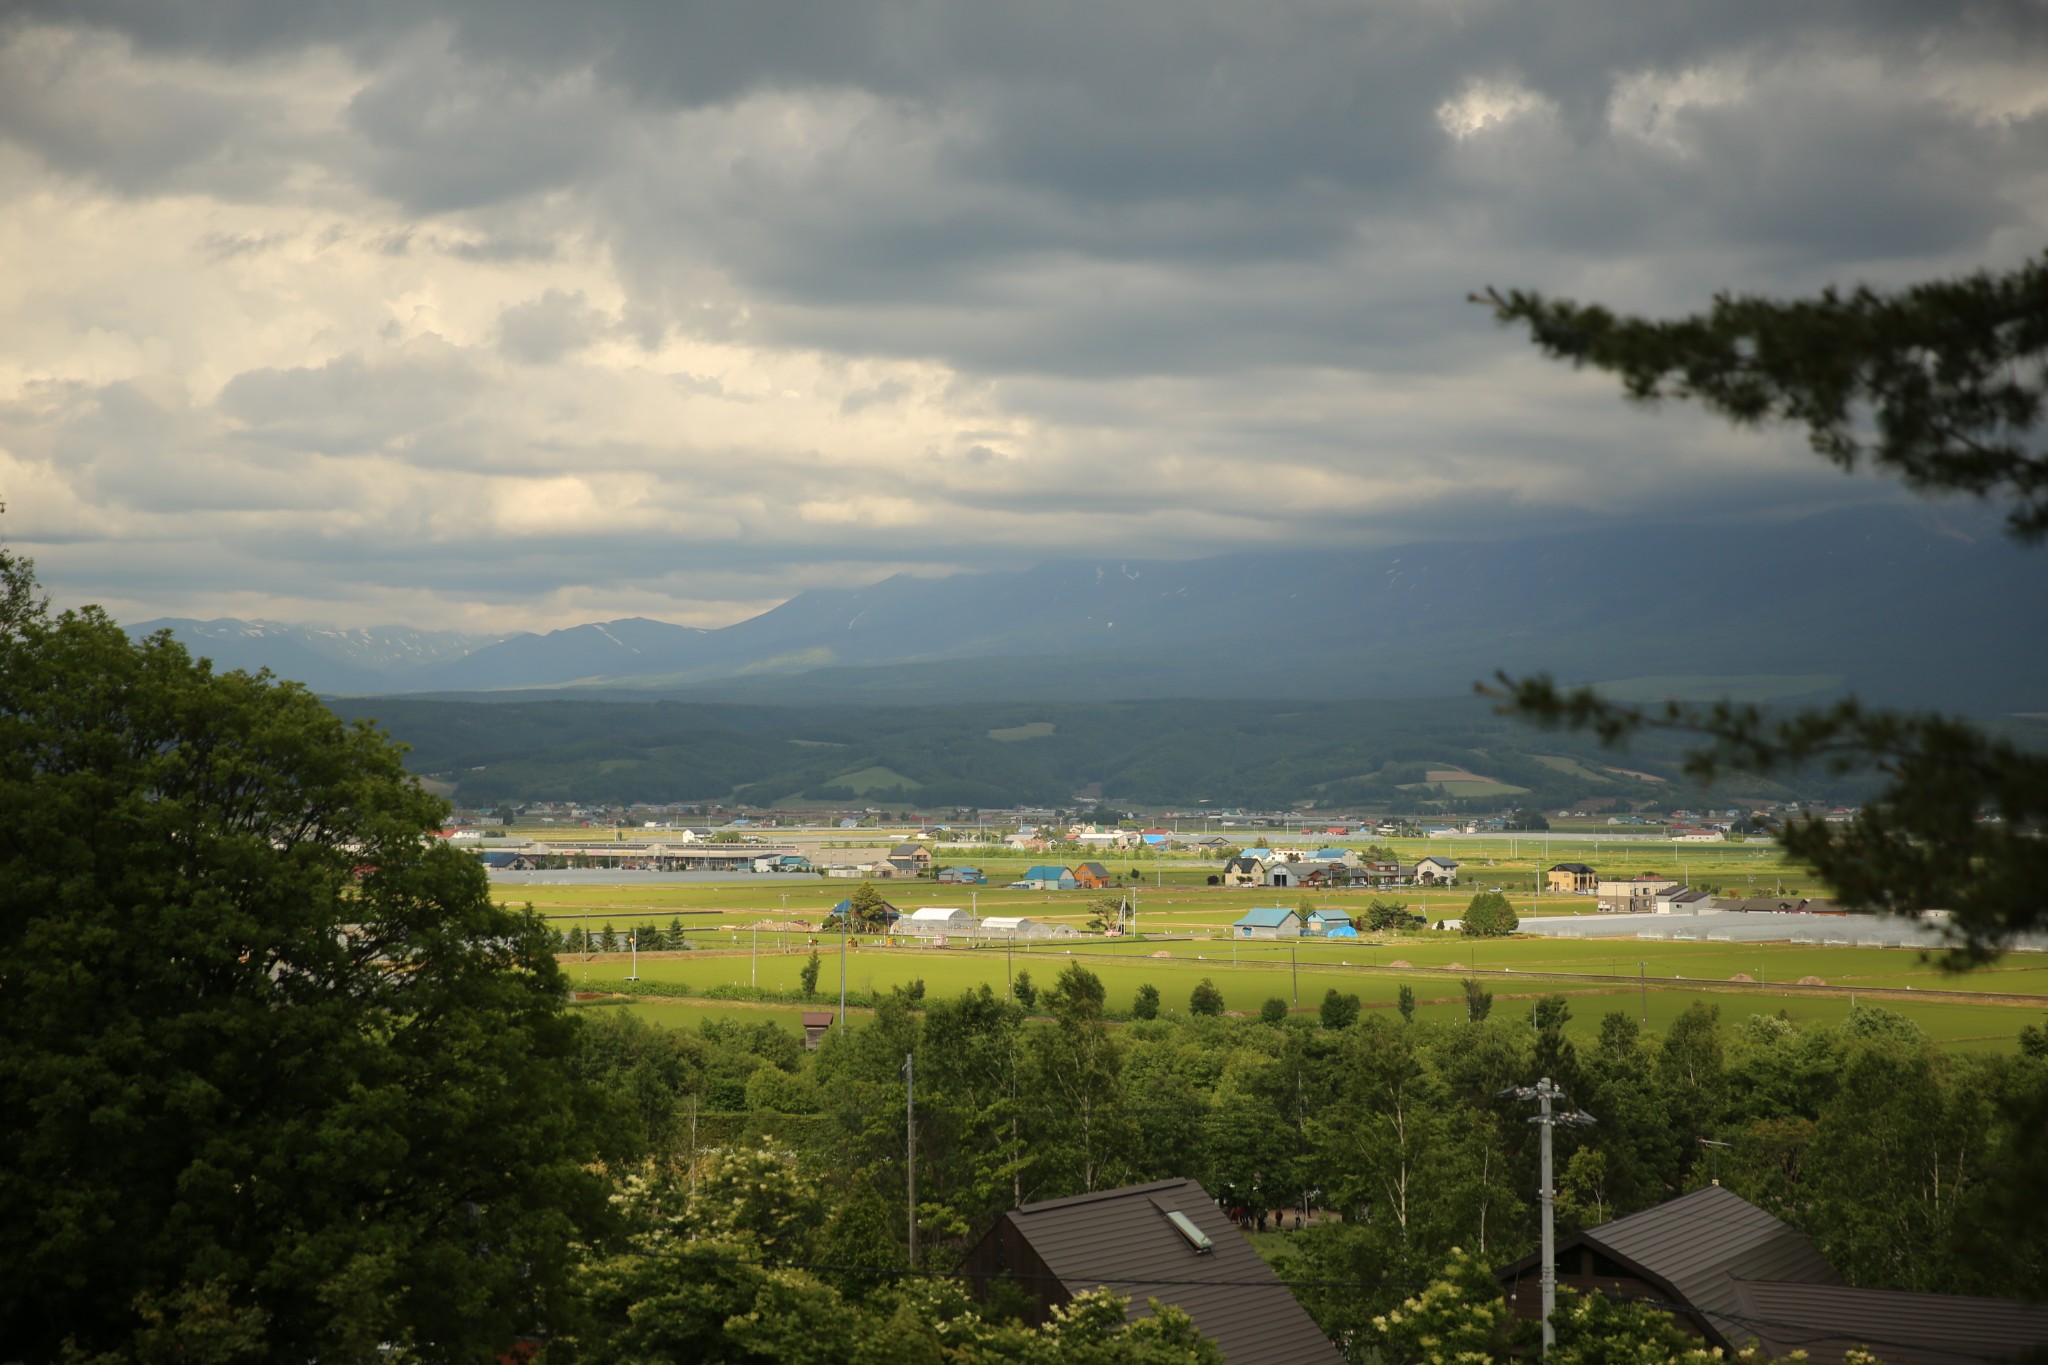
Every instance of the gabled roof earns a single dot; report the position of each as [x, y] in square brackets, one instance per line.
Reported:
[1094, 869]
[1122, 1239]
[1699, 1245]
[1243, 865]
[1579, 868]
[1900, 1328]
[1045, 872]
[1266, 917]
[1440, 862]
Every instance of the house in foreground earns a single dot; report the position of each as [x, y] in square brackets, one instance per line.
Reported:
[1735, 1276]
[1165, 1240]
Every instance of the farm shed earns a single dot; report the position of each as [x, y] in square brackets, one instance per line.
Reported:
[1271, 921]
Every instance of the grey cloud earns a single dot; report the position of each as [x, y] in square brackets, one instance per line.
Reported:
[548, 328]
[348, 406]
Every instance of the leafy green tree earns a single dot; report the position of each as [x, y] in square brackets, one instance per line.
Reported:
[1205, 999]
[1461, 1317]
[1339, 1011]
[808, 976]
[1146, 1005]
[1105, 913]
[1940, 385]
[1273, 1012]
[324, 1081]
[1478, 1000]
[1594, 1329]
[1026, 993]
[1404, 1000]
[1077, 992]
[1383, 916]
[1489, 915]
[867, 910]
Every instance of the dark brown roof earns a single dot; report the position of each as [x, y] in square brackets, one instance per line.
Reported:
[1698, 1246]
[1898, 1327]
[1121, 1239]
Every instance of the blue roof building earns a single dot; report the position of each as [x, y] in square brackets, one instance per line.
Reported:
[1269, 921]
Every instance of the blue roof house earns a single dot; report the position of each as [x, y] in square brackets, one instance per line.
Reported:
[1270, 921]
[1047, 877]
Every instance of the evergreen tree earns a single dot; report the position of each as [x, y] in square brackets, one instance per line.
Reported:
[1205, 999]
[1146, 1005]
[808, 976]
[1478, 1000]
[1405, 1002]
[1940, 385]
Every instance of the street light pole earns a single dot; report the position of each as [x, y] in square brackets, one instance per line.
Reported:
[633, 941]
[1543, 1092]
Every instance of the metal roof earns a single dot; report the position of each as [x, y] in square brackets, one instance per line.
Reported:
[1266, 917]
[1899, 1328]
[1122, 1239]
[1695, 1243]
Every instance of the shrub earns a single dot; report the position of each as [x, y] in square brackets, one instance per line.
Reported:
[1274, 1011]
[1146, 1006]
[1490, 916]
[1206, 999]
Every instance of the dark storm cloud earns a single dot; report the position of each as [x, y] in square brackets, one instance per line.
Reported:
[944, 282]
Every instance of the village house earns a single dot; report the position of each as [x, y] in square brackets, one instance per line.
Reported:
[1574, 877]
[1091, 876]
[1435, 871]
[1633, 895]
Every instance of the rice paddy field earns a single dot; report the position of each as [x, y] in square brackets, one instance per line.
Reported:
[759, 935]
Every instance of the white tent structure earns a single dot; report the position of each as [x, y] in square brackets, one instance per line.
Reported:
[1001, 927]
[934, 921]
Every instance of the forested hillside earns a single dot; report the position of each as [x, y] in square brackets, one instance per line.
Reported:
[1449, 754]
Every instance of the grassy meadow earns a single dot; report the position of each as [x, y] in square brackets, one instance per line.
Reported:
[1184, 923]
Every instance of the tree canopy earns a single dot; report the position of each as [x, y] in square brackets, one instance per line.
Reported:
[269, 1055]
[1940, 385]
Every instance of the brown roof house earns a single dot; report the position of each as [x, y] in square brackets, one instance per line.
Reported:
[1737, 1277]
[1166, 1240]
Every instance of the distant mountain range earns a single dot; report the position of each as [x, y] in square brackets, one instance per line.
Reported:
[1890, 600]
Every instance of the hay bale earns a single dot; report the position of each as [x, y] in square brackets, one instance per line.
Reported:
[1454, 966]
[1743, 976]
[1811, 981]
[1402, 962]
[1162, 953]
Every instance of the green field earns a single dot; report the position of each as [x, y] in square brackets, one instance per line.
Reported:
[1188, 921]
[1250, 976]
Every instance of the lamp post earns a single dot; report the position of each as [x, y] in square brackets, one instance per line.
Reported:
[1543, 1092]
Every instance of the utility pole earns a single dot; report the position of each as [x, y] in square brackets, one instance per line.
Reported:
[1642, 976]
[754, 961]
[910, 1147]
[843, 919]
[1543, 1092]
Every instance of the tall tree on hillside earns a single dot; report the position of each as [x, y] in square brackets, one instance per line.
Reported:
[1941, 386]
[270, 1057]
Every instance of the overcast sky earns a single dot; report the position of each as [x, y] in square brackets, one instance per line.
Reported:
[506, 314]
